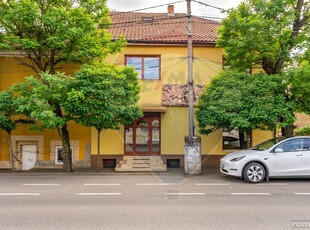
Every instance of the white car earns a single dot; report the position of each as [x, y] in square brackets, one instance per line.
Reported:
[273, 158]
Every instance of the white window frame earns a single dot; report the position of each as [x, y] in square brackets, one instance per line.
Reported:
[57, 148]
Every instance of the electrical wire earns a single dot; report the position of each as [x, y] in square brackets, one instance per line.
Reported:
[205, 4]
[151, 7]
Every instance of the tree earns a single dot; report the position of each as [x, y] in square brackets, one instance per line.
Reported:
[272, 35]
[9, 118]
[104, 96]
[42, 99]
[53, 33]
[299, 87]
[237, 99]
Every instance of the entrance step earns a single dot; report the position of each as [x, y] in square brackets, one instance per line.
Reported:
[141, 164]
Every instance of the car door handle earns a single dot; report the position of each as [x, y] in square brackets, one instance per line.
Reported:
[300, 155]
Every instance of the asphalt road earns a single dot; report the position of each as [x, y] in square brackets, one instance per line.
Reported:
[151, 202]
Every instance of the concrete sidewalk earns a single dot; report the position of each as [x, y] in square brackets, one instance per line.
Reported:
[105, 172]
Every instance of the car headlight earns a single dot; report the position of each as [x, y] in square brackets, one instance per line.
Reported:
[237, 158]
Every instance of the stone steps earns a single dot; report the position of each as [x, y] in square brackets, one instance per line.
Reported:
[141, 164]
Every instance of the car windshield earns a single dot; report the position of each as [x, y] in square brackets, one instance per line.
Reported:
[267, 144]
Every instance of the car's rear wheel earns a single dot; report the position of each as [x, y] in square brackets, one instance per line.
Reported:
[254, 173]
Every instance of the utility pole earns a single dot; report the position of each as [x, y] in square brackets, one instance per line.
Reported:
[190, 70]
[192, 149]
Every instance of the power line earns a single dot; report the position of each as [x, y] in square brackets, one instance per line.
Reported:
[205, 4]
[151, 7]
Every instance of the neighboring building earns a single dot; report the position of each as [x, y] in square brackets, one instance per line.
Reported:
[157, 49]
[37, 149]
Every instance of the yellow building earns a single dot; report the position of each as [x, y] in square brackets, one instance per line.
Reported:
[157, 49]
[37, 149]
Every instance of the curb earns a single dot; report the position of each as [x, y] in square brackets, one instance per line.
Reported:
[50, 172]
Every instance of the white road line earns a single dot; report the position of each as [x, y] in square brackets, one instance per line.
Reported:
[250, 194]
[19, 194]
[212, 184]
[152, 184]
[272, 184]
[302, 194]
[185, 194]
[115, 184]
[41, 184]
[98, 194]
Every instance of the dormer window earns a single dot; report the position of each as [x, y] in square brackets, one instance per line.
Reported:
[147, 20]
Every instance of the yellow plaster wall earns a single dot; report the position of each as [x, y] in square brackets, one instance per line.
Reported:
[259, 136]
[207, 63]
[4, 146]
[174, 127]
[111, 142]
[174, 123]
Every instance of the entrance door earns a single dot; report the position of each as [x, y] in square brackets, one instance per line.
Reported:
[143, 136]
[29, 156]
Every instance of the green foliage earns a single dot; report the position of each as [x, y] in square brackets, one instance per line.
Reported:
[9, 117]
[236, 99]
[42, 98]
[266, 34]
[6, 111]
[53, 31]
[299, 87]
[304, 131]
[104, 96]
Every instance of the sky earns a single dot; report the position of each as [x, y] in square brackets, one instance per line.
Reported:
[197, 9]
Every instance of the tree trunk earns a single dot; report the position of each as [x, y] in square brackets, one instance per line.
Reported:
[67, 155]
[288, 131]
[11, 151]
[98, 150]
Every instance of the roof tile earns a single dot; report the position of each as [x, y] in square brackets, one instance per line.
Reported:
[165, 28]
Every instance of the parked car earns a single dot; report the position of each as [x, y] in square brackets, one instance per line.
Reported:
[277, 157]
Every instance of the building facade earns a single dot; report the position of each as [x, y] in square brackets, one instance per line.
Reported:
[157, 49]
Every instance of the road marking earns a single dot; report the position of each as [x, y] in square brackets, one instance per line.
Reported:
[185, 194]
[272, 184]
[212, 184]
[41, 184]
[152, 184]
[302, 194]
[250, 194]
[19, 194]
[98, 194]
[115, 184]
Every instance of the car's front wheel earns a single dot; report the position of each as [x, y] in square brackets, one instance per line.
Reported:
[254, 173]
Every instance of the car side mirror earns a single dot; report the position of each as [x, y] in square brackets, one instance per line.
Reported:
[278, 150]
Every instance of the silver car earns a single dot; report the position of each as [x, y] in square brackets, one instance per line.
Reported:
[273, 158]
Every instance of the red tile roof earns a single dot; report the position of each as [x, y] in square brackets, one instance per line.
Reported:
[164, 29]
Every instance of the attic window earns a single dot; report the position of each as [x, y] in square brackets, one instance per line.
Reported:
[148, 20]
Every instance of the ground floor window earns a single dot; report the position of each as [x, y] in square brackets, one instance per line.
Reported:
[59, 158]
[142, 137]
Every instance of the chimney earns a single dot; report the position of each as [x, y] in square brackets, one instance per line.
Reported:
[170, 10]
